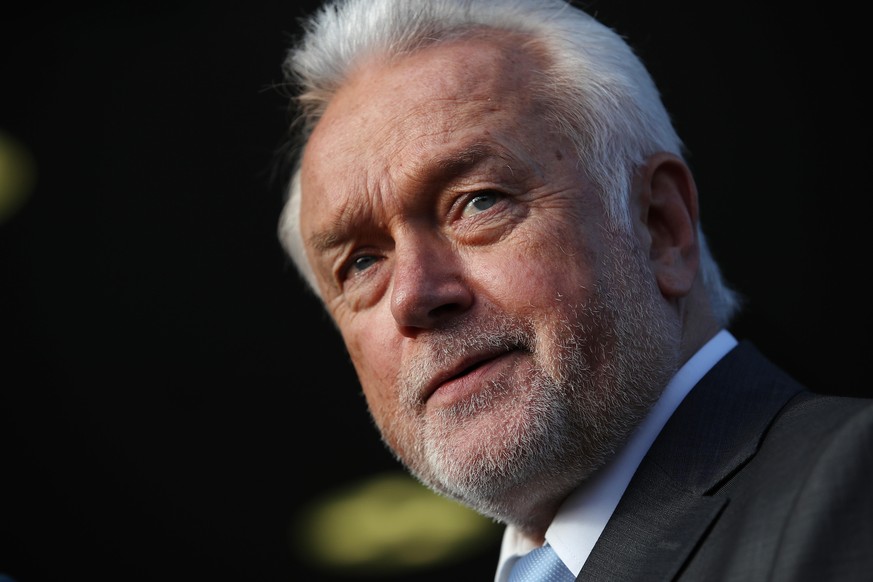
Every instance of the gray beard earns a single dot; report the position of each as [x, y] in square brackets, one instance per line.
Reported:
[584, 395]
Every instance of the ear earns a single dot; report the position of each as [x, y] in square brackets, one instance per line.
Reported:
[666, 221]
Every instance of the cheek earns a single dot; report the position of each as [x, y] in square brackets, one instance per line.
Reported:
[534, 276]
[376, 363]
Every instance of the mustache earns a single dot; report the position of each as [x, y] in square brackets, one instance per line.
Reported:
[442, 349]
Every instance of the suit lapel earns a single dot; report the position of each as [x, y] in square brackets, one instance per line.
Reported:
[652, 532]
[673, 501]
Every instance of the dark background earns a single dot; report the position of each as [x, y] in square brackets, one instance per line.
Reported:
[169, 394]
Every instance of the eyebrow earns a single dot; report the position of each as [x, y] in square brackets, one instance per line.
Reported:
[462, 160]
[331, 238]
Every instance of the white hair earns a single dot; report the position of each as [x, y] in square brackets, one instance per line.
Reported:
[596, 90]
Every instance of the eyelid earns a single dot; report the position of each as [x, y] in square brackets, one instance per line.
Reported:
[463, 202]
[346, 269]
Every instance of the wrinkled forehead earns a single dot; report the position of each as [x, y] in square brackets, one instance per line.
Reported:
[401, 102]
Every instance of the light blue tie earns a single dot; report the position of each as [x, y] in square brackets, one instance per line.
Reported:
[540, 565]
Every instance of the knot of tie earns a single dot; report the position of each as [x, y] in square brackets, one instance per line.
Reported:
[540, 565]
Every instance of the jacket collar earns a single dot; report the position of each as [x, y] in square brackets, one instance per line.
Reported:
[673, 500]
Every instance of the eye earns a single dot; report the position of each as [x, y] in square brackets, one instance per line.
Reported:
[481, 202]
[356, 265]
[361, 263]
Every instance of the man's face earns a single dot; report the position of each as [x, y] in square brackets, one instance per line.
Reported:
[499, 328]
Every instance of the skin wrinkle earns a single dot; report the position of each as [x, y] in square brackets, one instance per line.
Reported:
[565, 374]
[344, 220]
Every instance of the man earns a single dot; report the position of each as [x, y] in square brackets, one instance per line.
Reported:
[492, 204]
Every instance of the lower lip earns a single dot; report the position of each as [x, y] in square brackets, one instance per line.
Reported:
[457, 389]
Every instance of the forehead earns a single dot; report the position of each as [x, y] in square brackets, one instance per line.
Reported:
[436, 90]
[391, 123]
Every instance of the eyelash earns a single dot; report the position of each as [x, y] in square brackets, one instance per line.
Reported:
[353, 265]
[497, 196]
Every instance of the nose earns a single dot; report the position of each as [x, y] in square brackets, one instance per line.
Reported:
[429, 287]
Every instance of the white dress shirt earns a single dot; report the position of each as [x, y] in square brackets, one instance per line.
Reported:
[582, 517]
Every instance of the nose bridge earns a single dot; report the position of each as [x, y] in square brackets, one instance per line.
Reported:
[428, 281]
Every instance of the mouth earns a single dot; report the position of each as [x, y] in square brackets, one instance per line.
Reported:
[466, 374]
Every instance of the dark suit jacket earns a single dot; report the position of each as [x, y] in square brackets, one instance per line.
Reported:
[753, 478]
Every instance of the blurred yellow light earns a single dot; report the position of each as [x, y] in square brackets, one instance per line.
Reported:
[387, 524]
[17, 175]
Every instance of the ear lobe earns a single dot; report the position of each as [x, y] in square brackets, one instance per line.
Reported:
[669, 215]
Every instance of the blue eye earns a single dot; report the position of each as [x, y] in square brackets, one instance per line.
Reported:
[362, 263]
[481, 202]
